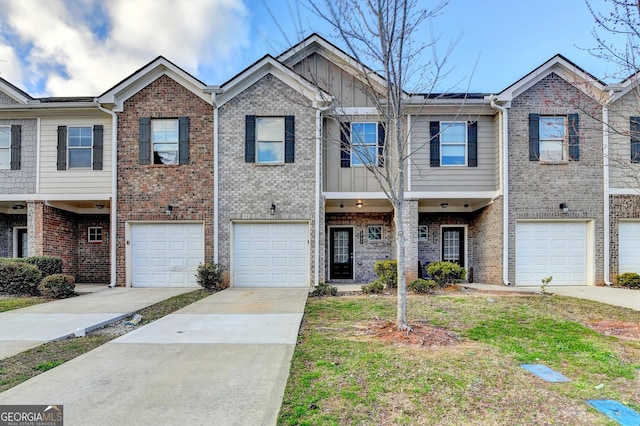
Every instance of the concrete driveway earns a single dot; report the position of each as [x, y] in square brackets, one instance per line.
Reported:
[223, 360]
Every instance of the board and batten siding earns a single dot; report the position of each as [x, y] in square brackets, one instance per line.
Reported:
[73, 181]
[484, 177]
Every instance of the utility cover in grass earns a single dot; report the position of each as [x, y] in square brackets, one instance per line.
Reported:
[618, 412]
[545, 373]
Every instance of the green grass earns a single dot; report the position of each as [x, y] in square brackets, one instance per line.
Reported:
[342, 376]
[11, 303]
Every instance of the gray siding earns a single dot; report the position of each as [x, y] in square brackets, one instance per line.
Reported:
[22, 181]
[6, 100]
[623, 173]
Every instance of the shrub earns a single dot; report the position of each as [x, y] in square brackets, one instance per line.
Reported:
[209, 276]
[422, 286]
[58, 286]
[446, 273]
[19, 278]
[324, 289]
[387, 271]
[374, 287]
[48, 265]
[628, 279]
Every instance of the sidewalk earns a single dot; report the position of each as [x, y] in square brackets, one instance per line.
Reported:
[25, 328]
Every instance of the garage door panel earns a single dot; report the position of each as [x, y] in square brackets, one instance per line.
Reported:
[629, 247]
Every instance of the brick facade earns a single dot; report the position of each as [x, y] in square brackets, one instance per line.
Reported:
[93, 257]
[621, 207]
[144, 191]
[60, 237]
[487, 243]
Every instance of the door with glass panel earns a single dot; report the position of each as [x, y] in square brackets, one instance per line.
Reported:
[453, 244]
[341, 253]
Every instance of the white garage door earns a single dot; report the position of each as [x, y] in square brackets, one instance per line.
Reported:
[270, 255]
[557, 249]
[629, 247]
[166, 254]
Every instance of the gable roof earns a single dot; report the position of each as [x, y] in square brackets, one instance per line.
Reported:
[14, 93]
[118, 94]
[270, 65]
[564, 68]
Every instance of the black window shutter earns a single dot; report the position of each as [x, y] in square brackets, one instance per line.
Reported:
[472, 144]
[381, 140]
[62, 148]
[635, 139]
[16, 142]
[183, 140]
[250, 139]
[144, 141]
[434, 144]
[98, 143]
[345, 139]
[534, 137]
[289, 139]
[574, 139]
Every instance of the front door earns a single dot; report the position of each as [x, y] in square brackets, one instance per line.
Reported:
[453, 244]
[341, 253]
[22, 238]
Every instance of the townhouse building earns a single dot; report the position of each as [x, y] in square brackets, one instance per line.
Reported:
[260, 174]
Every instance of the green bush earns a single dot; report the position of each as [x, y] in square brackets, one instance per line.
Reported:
[387, 271]
[324, 289]
[19, 278]
[422, 286]
[446, 273]
[209, 276]
[628, 279]
[58, 286]
[374, 287]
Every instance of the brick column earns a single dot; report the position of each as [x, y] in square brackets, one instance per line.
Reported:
[35, 230]
[410, 222]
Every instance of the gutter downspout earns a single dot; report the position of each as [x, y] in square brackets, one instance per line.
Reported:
[316, 257]
[505, 189]
[114, 188]
[216, 188]
[607, 203]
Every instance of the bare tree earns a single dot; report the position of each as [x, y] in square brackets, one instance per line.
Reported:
[383, 35]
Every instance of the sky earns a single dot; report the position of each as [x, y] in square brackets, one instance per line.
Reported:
[84, 47]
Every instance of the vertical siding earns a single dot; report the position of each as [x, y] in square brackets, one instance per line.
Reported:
[456, 178]
[73, 181]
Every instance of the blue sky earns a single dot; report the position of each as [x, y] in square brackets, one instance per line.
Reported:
[83, 47]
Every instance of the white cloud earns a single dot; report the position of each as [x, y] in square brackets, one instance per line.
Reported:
[63, 49]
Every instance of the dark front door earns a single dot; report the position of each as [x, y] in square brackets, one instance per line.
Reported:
[22, 242]
[341, 253]
[453, 244]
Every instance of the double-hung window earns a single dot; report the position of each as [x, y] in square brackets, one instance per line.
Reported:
[453, 143]
[270, 140]
[364, 144]
[80, 147]
[552, 138]
[5, 147]
[164, 136]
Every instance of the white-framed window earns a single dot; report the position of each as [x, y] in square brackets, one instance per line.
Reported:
[553, 134]
[364, 144]
[423, 233]
[80, 147]
[165, 138]
[453, 143]
[95, 234]
[374, 232]
[5, 147]
[270, 140]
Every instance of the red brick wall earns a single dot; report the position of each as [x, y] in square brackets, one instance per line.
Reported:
[93, 257]
[60, 237]
[144, 191]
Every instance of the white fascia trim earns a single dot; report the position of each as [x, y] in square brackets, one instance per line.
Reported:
[624, 191]
[54, 197]
[357, 111]
[451, 194]
[352, 195]
[51, 105]
[14, 94]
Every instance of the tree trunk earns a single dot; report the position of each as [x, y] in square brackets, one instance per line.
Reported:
[401, 299]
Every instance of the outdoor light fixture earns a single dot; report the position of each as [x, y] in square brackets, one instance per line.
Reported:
[272, 210]
[444, 205]
[564, 207]
[342, 206]
[169, 210]
[19, 206]
[99, 206]
[359, 204]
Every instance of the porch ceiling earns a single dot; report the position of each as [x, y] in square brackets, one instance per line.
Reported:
[75, 206]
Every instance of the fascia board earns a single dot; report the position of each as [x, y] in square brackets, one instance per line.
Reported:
[14, 94]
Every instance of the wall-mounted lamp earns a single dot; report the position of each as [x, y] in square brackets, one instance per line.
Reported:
[564, 207]
[169, 210]
[19, 206]
[99, 206]
[272, 210]
[359, 204]
[342, 206]
[444, 205]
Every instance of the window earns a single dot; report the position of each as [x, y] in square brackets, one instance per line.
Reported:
[552, 137]
[270, 140]
[5, 147]
[164, 136]
[80, 144]
[95, 234]
[635, 139]
[374, 233]
[423, 233]
[453, 143]
[364, 144]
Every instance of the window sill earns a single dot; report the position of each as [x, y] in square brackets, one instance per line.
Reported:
[554, 163]
[269, 164]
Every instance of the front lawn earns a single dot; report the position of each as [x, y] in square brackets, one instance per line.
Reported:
[9, 303]
[343, 375]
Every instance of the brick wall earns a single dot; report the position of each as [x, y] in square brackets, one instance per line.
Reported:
[93, 257]
[144, 191]
[7, 223]
[24, 180]
[621, 207]
[537, 189]
[487, 244]
[60, 237]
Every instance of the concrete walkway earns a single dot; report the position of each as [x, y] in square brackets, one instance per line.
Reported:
[25, 328]
[223, 360]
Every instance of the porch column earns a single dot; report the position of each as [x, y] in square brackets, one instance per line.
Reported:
[410, 221]
[35, 228]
